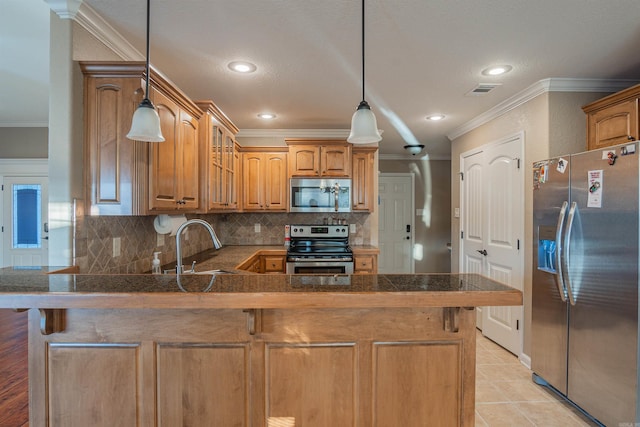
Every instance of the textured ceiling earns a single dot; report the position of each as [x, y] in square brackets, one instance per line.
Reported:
[422, 57]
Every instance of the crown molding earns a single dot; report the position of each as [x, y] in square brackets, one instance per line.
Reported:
[65, 9]
[538, 88]
[293, 133]
[106, 34]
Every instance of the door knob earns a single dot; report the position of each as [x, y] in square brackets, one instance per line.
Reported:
[483, 252]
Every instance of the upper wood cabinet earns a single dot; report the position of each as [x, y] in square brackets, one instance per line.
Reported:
[219, 160]
[124, 177]
[363, 175]
[613, 120]
[313, 158]
[115, 168]
[264, 179]
[174, 181]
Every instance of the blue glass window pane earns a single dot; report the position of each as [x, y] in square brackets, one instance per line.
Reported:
[27, 200]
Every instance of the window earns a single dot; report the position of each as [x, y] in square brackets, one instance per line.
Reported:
[26, 216]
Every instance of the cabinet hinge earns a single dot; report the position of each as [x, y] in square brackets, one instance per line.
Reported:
[462, 234]
[518, 244]
[517, 324]
[518, 160]
[461, 176]
[2, 187]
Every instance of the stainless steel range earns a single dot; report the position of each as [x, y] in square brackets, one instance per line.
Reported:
[319, 249]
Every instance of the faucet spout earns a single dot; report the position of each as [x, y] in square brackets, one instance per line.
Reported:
[205, 224]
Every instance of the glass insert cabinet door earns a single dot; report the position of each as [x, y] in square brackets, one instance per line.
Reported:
[25, 222]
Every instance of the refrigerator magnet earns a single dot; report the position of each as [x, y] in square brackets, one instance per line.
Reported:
[595, 189]
[562, 165]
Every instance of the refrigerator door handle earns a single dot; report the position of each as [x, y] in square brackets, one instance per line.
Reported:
[559, 277]
[567, 240]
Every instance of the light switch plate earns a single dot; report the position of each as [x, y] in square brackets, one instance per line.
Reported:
[456, 212]
[352, 228]
[159, 239]
[256, 227]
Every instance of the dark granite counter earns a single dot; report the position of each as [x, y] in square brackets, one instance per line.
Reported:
[31, 287]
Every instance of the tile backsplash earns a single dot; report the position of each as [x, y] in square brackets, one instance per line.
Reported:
[95, 235]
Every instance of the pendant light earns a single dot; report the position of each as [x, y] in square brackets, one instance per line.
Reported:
[364, 128]
[145, 125]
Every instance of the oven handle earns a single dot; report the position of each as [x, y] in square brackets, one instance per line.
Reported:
[336, 193]
[297, 259]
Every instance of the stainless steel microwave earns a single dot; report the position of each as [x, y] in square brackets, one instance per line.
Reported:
[320, 195]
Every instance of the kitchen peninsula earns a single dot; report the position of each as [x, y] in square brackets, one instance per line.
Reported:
[251, 349]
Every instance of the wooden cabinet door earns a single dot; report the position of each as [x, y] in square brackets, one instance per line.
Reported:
[230, 174]
[188, 171]
[111, 160]
[275, 181]
[252, 181]
[174, 178]
[304, 160]
[216, 168]
[335, 160]
[365, 264]
[362, 180]
[613, 125]
[164, 186]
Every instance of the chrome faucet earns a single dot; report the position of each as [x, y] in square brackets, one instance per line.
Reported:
[205, 224]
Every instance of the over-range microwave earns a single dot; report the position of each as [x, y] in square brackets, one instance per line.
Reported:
[320, 195]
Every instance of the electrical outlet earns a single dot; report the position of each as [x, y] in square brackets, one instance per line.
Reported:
[116, 247]
[256, 228]
[159, 239]
[352, 228]
[456, 212]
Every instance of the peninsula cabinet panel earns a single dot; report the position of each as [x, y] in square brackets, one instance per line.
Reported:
[323, 396]
[407, 374]
[93, 384]
[203, 384]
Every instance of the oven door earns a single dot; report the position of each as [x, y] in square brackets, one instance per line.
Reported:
[320, 267]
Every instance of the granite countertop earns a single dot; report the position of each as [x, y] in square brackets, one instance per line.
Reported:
[34, 288]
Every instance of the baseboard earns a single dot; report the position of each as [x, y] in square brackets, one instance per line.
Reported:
[525, 359]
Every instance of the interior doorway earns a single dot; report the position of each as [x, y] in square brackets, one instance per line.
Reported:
[395, 222]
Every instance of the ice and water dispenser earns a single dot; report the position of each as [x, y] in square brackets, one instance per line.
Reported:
[547, 248]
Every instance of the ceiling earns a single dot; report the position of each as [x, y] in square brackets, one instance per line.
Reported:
[422, 57]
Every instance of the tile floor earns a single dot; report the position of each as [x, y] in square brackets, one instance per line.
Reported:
[506, 395]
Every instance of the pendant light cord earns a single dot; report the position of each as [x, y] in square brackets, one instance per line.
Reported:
[362, 50]
[146, 91]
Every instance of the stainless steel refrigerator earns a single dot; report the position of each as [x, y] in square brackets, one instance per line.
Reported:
[585, 280]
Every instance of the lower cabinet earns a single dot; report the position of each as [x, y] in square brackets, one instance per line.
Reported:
[270, 367]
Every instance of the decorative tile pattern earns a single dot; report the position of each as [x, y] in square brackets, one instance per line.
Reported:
[138, 238]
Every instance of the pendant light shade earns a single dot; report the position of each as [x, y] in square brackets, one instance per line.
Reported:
[145, 125]
[364, 127]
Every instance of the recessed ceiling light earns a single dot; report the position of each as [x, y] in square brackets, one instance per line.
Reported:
[267, 116]
[242, 67]
[435, 117]
[497, 70]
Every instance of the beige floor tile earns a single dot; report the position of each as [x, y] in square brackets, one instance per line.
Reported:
[487, 392]
[502, 415]
[479, 421]
[522, 391]
[551, 414]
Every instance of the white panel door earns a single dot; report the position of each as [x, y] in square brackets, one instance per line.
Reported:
[25, 218]
[395, 224]
[492, 225]
[503, 227]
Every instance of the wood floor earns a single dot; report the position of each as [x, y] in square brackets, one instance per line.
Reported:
[14, 386]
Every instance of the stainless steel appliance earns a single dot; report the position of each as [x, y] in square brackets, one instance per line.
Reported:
[319, 249]
[585, 280]
[320, 195]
